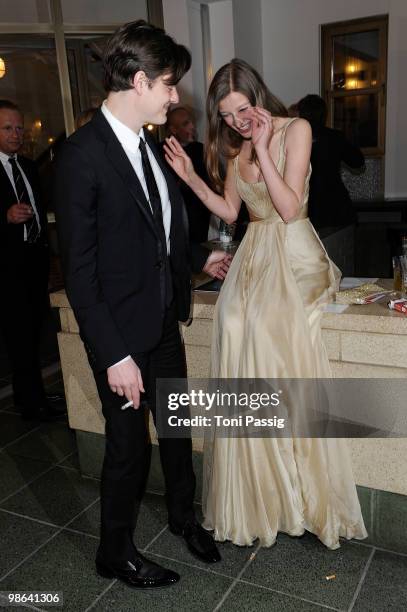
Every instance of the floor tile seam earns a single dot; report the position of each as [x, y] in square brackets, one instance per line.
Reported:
[152, 492]
[102, 594]
[69, 468]
[52, 537]
[24, 435]
[297, 597]
[30, 482]
[361, 581]
[236, 580]
[31, 518]
[155, 492]
[208, 570]
[81, 512]
[65, 458]
[7, 409]
[82, 533]
[380, 549]
[48, 524]
[145, 549]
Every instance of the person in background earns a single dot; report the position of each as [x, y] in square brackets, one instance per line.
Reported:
[24, 268]
[181, 124]
[202, 224]
[329, 202]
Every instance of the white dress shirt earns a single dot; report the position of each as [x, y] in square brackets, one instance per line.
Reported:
[4, 158]
[130, 143]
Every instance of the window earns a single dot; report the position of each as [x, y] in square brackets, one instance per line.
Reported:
[84, 56]
[31, 80]
[354, 71]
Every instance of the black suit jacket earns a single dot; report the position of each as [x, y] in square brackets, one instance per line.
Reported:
[112, 254]
[329, 201]
[12, 234]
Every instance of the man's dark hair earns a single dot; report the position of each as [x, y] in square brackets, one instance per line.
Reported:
[313, 108]
[141, 46]
[9, 105]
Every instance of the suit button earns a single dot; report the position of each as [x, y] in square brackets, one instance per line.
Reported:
[158, 265]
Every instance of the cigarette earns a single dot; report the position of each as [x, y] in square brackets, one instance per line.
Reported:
[331, 577]
[126, 405]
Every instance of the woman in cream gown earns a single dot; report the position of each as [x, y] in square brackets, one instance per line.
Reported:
[267, 321]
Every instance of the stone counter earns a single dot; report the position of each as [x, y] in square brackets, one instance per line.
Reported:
[362, 342]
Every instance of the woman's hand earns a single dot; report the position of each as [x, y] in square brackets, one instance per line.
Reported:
[262, 129]
[178, 160]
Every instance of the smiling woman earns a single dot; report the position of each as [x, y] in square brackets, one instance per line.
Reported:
[267, 319]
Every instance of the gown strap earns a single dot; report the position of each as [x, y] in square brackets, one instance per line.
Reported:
[282, 137]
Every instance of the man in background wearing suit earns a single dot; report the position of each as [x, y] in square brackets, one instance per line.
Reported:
[124, 242]
[24, 265]
[180, 124]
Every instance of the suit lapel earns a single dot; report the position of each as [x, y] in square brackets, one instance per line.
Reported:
[121, 163]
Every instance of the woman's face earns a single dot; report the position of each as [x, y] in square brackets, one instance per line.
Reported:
[236, 111]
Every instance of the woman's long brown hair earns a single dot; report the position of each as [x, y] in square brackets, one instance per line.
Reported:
[222, 142]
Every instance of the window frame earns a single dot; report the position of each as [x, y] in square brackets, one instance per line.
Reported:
[328, 31]
[60, 30]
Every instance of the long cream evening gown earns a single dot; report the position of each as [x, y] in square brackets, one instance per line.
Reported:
[267, 325]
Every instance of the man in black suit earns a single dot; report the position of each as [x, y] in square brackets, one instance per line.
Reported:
[329, 203]
[123, 239]
[24, 265]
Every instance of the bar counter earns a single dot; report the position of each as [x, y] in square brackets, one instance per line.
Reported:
[367, 341]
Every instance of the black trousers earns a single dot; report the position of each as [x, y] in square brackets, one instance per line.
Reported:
[23, 306]
[128, 451]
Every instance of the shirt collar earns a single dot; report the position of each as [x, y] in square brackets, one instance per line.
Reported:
[127, 138]
[4, 157]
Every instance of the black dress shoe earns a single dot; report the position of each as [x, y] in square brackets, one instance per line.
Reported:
[140, 573]
[199, 542]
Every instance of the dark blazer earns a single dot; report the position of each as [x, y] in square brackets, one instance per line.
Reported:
[12, 234]
[329, 201]
[112, 253]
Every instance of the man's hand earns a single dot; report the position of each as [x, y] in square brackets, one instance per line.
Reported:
[19, 213]
[125, 380]
[217, 264]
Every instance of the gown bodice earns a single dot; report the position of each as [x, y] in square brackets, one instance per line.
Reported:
[256, 195]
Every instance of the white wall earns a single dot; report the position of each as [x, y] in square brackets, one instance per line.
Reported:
[291, 62]
[24, 11]
[99, 11]
[248, 32]
[176, 23]
[182, 20]
[221, 33]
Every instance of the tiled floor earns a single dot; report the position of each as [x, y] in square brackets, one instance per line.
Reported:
[49, 519]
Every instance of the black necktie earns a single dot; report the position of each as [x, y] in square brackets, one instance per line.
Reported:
[156, 206]
[32, 227]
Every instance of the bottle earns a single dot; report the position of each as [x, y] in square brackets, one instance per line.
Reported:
[396, 273]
